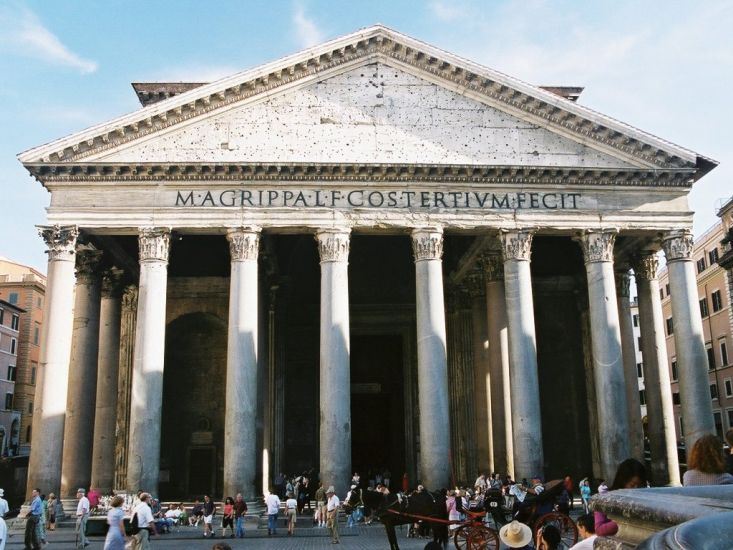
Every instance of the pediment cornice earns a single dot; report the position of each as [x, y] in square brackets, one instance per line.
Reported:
[379, 43]
[449, 173]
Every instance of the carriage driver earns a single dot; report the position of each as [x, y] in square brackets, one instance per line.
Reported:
[523, 497]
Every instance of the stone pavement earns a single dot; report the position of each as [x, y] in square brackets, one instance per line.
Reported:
[359, 538]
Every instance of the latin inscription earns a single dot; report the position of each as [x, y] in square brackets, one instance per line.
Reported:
[368, 198]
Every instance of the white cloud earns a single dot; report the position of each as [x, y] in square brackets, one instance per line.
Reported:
[22, 33]
[445, 11]
[306, 30]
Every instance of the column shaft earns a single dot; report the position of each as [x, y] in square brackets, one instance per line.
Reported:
[44, 467]
[146, 400]
[76, 469]
[692, 361]
[110, 316]
[659, 406]
[500, 390]
[608, 368]
[481, 384]
[524, 381]
[240, 423]
[432, 371]
[628, 347]
[335, 375]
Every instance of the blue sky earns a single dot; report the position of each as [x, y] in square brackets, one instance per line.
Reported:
[663, 66]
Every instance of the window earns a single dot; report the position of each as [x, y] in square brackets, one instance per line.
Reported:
[33, 375]
[661, 294]
[13, 298]
[666, 289]
[28, 434]
[39, 302]
[640, 370]
[717, 301]
[728, 387]
[638, 343]
[11, 373]
[711, 358]
[676, 398]
[675, 373]
[723, 353]
[14, 322]
[701, 265]
[635, 318]
[13, 345]
[682, 428]
[730, 418]
[713, 391]
[713, 256]
[642, 397]
[670, 326]
[36, 333]
[8, 400]
[718, 418]
[704, 307]
[2, 315]
[30, 407]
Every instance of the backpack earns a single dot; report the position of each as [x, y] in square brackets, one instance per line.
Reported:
[134, 526]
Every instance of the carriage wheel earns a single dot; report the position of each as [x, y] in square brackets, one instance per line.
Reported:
[476, 537]
[566, 526]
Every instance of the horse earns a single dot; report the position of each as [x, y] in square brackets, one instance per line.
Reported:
[399, 509]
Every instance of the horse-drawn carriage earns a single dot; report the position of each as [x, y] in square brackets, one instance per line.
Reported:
[475, 532]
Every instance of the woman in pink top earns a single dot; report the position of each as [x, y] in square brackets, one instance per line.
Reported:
[631, 474]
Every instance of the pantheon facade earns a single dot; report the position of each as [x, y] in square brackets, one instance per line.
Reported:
[372, 254]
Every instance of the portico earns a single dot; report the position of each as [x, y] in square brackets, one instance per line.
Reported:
[372, 189]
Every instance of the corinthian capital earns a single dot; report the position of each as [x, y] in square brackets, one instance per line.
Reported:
[492, 266]
[333, 245]
[677, 245]
[516, 245]
[427, 244]
[87, 265]
[154, 244]
[598, 245]
[113, 283]
[475, 284]
[129, 298]
[244, 243]
[646, 265]
[61, 240]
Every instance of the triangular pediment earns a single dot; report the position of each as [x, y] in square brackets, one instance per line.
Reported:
[507, 118]
[373, 113]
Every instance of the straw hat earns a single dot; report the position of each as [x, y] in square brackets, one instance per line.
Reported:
[515, 534]
[330, 490]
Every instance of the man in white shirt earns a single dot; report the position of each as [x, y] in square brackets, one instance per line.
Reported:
[586, 529]
[3, 533]
[272, 501]
[82, 515]
[332, 510]
[4, 508]
[145, 522]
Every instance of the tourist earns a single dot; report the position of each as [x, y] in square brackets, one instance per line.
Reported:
[227, 519]
[145, 522]
[209, 511]
[41, 527]
[706, 463]
[548, 538]
[452, 508]
[728, 455]
[240, 510]
[32, 519]
[320, 516]
[291, 513]
[387, 478]
[3, 533]
[221, 546]
[197, 513]
[332, 510]
[568, 484]
[51, 517]
[587, 531]
[115, 519]
[93, 496]
[516, 535]
[405, 483]
[585, 494]
[631, 474]
[82, 516]
[4, 508]
[480, 483]
[273, 509]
